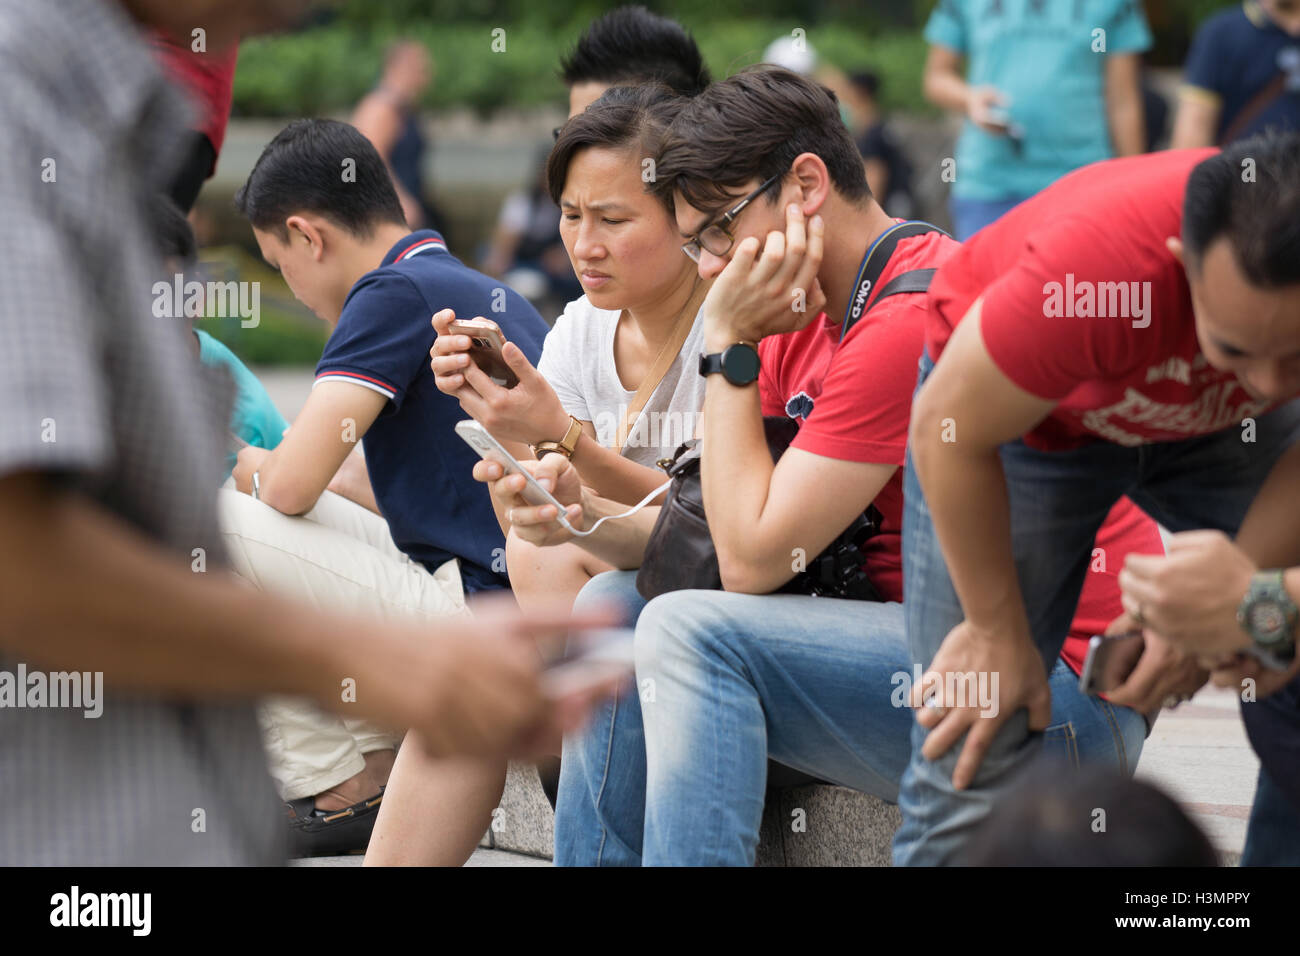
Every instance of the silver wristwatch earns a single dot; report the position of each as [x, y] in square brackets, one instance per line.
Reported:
[1269, 617]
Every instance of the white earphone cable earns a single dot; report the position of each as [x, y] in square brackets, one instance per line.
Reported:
[564, 518]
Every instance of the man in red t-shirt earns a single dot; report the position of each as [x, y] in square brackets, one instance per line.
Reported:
[1079, 350]
[675, 774]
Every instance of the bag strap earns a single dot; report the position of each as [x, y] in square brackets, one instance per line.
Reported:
[1258, 103]
[658, 369]
[873, 265]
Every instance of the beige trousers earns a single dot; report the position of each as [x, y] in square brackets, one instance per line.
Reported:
[338, 557]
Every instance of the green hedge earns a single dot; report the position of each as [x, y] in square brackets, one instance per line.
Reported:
[328, 68]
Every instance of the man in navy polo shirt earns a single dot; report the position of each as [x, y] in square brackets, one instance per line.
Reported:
[1242, 75]
[399, 531]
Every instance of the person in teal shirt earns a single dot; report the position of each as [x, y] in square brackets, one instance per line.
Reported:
[1046, 86]
[254, 419]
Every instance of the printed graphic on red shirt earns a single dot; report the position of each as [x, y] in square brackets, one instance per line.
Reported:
[1084, 305]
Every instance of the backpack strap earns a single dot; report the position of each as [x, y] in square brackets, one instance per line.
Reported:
[916, 280]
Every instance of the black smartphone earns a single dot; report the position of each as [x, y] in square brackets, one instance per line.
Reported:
[1110, 661]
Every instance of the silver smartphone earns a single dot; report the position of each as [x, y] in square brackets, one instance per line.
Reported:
[489, 449]
[1110, 661]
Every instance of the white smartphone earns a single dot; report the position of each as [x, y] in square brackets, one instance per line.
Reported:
[489, 449]
[592, 658]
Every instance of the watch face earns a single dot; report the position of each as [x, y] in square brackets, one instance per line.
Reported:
[740, 364]
[1266, 621]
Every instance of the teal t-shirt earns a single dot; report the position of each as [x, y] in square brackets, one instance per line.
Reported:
[1048, 59]
[254, 417]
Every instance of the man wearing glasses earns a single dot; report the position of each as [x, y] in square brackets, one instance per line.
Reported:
[762, 170]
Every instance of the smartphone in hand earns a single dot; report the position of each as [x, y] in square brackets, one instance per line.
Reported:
[590, 660]
[485, 344]
[1110, 661]
[489, 449]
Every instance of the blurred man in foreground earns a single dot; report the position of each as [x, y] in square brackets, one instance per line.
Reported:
[109, 552]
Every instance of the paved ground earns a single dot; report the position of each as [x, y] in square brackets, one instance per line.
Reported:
[1198, 753]
[480, 858]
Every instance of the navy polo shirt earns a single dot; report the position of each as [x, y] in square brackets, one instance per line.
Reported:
[419, 467]
[1235, 55]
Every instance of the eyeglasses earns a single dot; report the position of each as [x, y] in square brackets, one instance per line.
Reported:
[714, 238]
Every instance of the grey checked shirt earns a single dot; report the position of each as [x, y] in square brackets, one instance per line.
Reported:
[95, 389]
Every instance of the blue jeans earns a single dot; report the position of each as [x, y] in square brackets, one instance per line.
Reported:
[1273, 725]
[1273, 834]
[674, 771]
[969, 216]
[1058, 501]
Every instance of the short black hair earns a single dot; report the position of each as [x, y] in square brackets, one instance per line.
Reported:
[171, 230]
[306, 169]
[751, 126]
[632, 45]
[632, 117]
[1062, 816]
[1250, 195]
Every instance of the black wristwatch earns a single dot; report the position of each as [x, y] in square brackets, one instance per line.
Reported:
[738, 363]
[1269, 617]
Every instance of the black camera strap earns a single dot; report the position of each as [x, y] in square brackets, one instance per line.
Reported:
[873, 266]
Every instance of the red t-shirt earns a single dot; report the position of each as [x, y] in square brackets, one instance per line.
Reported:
[854, 401]
[862, 392]
[1126, 530]
[1084, 306]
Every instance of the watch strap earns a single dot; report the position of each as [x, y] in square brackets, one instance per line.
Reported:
[711, 363]
[566, 446]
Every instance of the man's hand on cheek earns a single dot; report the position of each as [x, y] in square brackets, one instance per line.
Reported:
[768, 287]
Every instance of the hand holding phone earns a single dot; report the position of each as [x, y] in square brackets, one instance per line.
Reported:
[486, 343]
[1110, 661]
[591, 659]
[489, 449]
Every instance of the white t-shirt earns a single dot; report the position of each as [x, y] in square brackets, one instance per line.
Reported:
[578, 361]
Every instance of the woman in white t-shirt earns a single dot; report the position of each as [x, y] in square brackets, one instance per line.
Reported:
[643, 296]
[639, 313]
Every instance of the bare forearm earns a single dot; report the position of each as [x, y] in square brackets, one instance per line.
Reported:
[1270, 533]
[976, 541]
[736, 473]
[353, 482]
[289, 491]
[947, 89]
[611, 475]
[621, 541]
[1127, 132]
[146, 618]
[1124, 104]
